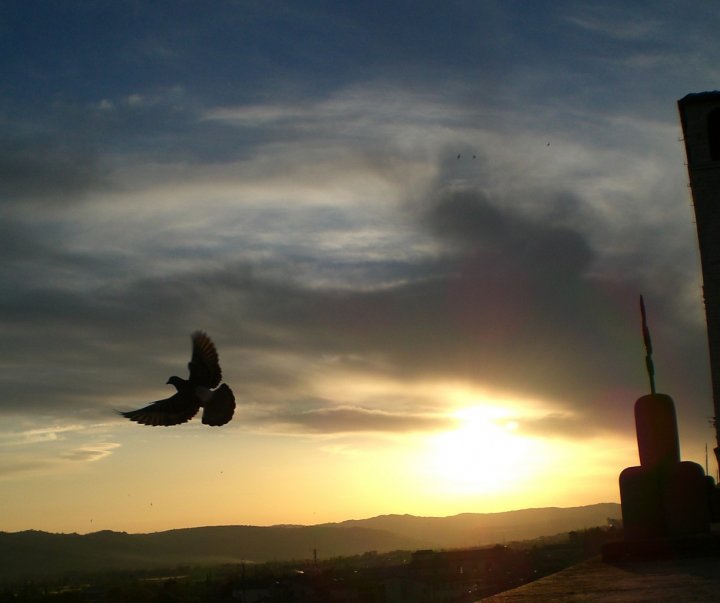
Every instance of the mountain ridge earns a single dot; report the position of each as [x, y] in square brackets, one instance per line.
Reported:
[473, 529]
[33, 553]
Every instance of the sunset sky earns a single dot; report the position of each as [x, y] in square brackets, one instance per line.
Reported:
[416, 231]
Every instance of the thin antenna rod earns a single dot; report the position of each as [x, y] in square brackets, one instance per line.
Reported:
[648, 347]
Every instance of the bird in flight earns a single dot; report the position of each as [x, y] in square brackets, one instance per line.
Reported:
[199, 390]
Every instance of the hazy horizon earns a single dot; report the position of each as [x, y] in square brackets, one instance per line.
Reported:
[311, 525]
[416, 234]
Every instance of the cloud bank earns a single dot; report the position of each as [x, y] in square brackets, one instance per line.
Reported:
[473, 218]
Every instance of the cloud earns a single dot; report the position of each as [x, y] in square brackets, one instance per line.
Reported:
[47, 171]
[468, 219]
[42, 434]
[621, 25]
[17, 466]
[343, 225]
[349, 419]
[564, 426]
[20, 464]
[48, 449]
[90, 452]
[457, 310]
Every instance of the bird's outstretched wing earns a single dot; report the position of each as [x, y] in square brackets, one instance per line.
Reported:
[219, 409]
[178, 408]
[204, 365]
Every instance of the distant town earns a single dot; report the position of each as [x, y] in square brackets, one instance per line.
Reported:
[421, 576]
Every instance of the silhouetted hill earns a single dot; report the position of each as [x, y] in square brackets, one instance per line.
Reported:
[35, 554]
[478, 529]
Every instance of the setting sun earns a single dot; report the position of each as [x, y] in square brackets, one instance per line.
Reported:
[484, 455]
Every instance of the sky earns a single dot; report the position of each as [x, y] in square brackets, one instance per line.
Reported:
[415, 231]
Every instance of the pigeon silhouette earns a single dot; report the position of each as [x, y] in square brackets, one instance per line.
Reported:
[192, 393]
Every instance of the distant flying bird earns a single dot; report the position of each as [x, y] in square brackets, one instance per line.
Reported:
[199, 390]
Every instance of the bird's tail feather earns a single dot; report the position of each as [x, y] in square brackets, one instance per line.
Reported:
[219, 409]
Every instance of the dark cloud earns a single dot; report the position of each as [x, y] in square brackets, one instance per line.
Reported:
[40, 171]
[468, 219]
[565, 426]
[510, 305]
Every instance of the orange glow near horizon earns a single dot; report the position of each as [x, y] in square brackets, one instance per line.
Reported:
[480, 462]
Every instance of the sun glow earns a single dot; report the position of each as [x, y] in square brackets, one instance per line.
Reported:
[485, 455]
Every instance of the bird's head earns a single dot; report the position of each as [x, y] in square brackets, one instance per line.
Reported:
[176, 381]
